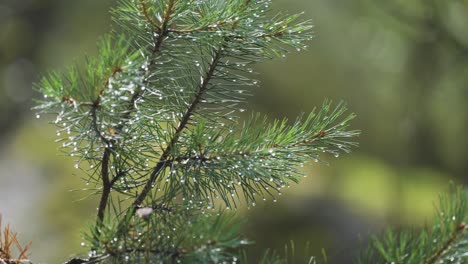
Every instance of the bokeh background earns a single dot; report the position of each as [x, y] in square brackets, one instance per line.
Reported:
[402, 67]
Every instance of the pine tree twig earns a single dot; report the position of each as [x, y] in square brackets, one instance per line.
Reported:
[96, 103]
[183, 123]
[215, 27]
[117, 254]
[161, 165]
[145, 12]
[208, 28]
[455, 236]
[118, 176]
[174, 254]
[163, 31]
[94, 123]
[161, 252]
[179, 113]
[108, 183]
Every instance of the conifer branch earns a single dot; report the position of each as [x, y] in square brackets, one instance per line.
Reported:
[457, 234]
[108, 183]
[168, 97]
[161, 165]
[175, 99]
[163, 29]
[182, 125]
[145, 11]
[444, 242]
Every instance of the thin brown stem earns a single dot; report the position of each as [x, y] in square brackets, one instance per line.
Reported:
[455, 236]
[163, 31]
[106, 185]
[161, 165]
[146, 14]
[107, 182]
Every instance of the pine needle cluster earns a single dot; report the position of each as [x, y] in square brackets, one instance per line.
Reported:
[444, 241]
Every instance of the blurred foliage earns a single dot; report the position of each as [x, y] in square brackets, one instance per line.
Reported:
[402, 66]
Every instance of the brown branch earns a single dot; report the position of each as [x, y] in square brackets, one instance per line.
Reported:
[163, 31]
[319, 135]
[145, 11]
[107, 182]
[94, 123]
[455, 236]
[106, 185]
[161, 165]
[163, 160]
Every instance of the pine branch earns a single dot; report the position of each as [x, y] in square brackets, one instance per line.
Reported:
[260, 158]
[446, 241]
[203, 235]
[145, 11]
[161, 165]
[456, 236]
[182, 125]
[167, 91]
[107, 183]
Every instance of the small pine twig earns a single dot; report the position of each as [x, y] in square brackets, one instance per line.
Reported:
[455, 236]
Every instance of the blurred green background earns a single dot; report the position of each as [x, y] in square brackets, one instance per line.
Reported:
[402, 67]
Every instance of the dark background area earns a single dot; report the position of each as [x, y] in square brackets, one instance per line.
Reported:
[402, 67]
